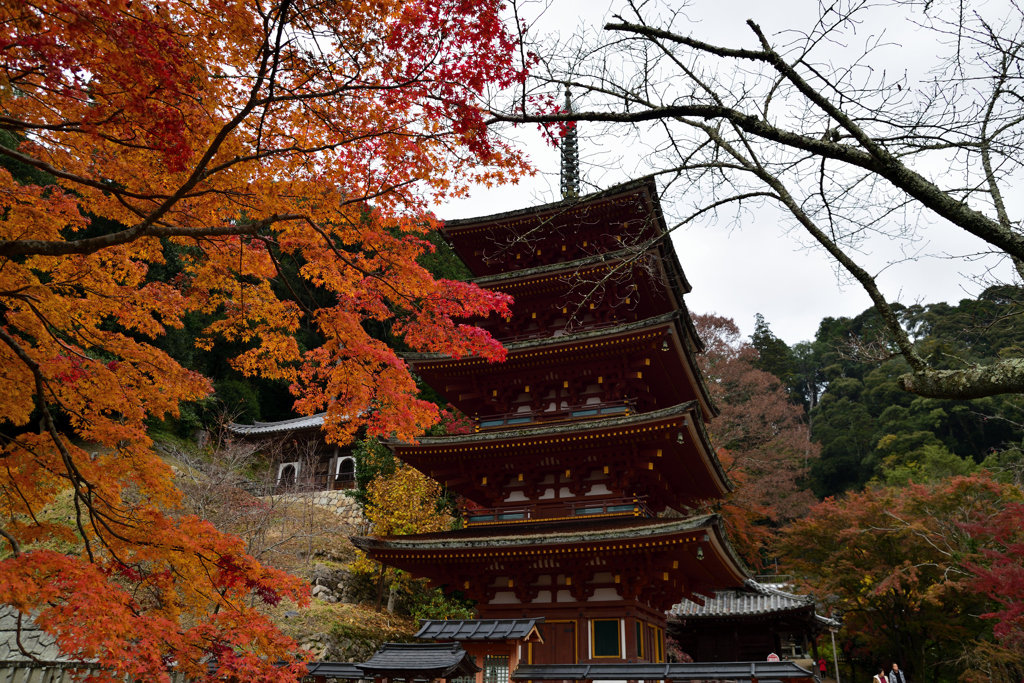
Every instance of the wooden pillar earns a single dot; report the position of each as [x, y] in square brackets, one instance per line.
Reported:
[814, 649]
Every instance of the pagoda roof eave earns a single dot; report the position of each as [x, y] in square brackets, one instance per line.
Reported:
[679, 318]
[646, 182]
[568, 535]
[679, 282]
[544, 342]
[600, 423]
[690, 408]
[557, 534]
[527, 273]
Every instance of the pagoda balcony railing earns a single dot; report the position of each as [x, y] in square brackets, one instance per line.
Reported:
[536, 418]
[609, 507]
[499, 515]
[606, 507]
[545, 332]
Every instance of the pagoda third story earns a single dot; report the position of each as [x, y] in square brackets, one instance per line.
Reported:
[593, 425]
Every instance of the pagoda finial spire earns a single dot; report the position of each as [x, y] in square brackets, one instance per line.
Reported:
[570, 156]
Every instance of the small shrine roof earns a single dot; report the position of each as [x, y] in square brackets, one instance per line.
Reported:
[292, 425]
[566, 530]
[412, 660]
[477, 629]
[693, 671]
[753, 599]
[295, 424]
[339, 670]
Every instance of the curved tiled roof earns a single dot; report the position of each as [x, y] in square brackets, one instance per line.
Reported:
[561, 340]
[622, 188]
[755, 599]
[477, 629]
[293, 425]
[430, 660]
[540, 533]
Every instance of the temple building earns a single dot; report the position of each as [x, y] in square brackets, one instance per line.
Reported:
[742, 624]
[589, 452]
[300, 457]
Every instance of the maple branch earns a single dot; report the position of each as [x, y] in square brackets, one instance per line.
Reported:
[14, 483]
[17, 639]
[93, 244]
[15, 546]
[287, 283]
[77, 179]
[40, 382]
[282, 20]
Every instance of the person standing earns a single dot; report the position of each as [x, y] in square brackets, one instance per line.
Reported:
[880, 677]
[897, 675]
[822, 667]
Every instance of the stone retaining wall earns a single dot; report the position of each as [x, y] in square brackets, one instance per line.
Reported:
[336, 501]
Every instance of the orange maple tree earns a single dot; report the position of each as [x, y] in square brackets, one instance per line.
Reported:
[237, 134]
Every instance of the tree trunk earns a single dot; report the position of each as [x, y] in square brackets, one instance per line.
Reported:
[392, 598]
[1002, 377]
[380, 588]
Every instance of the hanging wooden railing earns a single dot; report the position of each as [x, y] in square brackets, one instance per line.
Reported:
[606, 507]
[633, 506]
[536, 418]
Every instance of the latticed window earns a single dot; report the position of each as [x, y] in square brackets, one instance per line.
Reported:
[604, 634]
[496, 669]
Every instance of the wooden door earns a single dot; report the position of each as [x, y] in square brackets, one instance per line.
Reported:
[559, 646]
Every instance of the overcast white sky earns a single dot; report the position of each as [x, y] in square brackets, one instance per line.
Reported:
[756, 268]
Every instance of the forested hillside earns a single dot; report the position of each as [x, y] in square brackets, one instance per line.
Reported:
[867, 427]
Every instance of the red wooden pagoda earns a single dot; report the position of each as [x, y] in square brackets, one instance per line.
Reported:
[593, 425]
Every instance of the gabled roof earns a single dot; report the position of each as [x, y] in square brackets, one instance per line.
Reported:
[752, 600]
[412, 660]
[478, 629]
